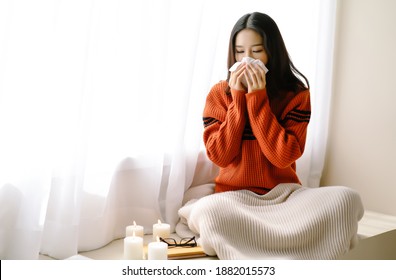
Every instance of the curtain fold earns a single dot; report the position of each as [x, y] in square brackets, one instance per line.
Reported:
[101, 111]
[311, 164]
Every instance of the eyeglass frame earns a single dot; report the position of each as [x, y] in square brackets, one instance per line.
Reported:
[189, 243]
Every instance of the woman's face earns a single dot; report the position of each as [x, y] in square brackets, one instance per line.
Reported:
[249, 43]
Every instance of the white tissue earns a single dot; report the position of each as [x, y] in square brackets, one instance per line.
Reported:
[249, 60]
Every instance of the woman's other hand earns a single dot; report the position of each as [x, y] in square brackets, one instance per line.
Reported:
[237, 78]
[255, 77]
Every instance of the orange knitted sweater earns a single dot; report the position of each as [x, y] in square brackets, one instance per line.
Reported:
[253, 140]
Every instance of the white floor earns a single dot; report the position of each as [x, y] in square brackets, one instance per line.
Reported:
[371, 224]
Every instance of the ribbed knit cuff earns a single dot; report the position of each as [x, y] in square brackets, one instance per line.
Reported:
[257, 96]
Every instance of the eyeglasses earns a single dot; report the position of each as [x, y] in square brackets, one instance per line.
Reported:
[184, 242]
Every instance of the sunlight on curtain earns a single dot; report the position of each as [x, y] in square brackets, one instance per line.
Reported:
[101, 105]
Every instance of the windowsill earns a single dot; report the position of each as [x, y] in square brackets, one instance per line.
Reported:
[371, 225]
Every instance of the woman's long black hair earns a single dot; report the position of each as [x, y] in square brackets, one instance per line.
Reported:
[282, 75]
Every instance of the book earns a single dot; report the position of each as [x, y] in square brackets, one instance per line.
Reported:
[177, 253]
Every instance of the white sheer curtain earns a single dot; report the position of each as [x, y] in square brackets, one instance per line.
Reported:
[101, 104]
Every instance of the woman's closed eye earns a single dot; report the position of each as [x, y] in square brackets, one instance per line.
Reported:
[253, 51]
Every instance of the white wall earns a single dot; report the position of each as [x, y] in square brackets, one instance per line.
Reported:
[361, 148]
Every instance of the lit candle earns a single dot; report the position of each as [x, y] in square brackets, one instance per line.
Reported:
[161, 230]
[157, 250]
[133, 247]
[138, 230]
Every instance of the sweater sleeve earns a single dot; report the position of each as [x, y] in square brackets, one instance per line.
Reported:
[281, 141]
[224, 124]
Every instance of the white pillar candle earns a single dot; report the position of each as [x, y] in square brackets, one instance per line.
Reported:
[138, 230]
[161, 230]
[133, 248]
[157, 250]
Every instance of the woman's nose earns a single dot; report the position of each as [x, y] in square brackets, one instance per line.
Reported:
[248, 54]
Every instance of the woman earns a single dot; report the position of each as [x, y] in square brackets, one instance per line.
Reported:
[256, 123]
[255, 130]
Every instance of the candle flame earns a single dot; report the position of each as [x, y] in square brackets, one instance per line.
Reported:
[159, 221]
[158, 239]
[134, 223]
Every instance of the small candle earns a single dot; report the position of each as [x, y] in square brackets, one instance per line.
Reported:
[161, 230]
[138, 230]
[157, 250]
[133, 247]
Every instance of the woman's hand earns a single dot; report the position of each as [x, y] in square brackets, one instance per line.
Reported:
[237, 78]
[255, 77]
